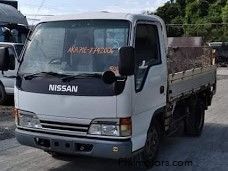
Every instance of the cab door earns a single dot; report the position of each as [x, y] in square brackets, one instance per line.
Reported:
[150, 79]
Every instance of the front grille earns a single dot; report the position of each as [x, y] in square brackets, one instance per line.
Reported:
[66, 127]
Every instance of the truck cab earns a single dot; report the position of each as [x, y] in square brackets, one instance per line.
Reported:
[96, 84]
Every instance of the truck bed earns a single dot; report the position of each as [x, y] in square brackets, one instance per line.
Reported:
[186, 82]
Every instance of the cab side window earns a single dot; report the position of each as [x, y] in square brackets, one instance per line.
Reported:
[147, 52]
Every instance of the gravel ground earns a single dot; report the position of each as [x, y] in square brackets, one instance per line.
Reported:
[7, 125]
[208, 152]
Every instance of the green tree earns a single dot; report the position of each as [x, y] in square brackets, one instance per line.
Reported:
[182, 6]
[225, 20]
[176, 30]
[203, 8]
[168, 12]
[191, 12]
[200, 18]
[225, 13]
[214, 13]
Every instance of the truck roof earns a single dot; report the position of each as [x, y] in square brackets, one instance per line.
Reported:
[101, 15]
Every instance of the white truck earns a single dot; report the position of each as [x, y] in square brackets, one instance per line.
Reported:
[97, 84]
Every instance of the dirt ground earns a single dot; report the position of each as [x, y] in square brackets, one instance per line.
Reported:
[7, 125]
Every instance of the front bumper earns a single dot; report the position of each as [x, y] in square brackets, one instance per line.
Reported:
[112, 149]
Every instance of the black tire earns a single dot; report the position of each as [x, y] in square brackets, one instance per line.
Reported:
[3, 95]
[194, 122]
[152, 145]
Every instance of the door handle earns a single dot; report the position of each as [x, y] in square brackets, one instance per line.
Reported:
[162, 89]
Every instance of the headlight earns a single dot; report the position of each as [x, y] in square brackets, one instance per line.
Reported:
[27, 119]
[111, 127]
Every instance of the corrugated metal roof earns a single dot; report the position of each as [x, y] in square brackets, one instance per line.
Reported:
[9, 14]
[185, 41]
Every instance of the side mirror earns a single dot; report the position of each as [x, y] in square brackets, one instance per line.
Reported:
[109, 77]
[7, 61]
[127, 61]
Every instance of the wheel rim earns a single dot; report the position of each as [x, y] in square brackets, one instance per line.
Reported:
[152, 144]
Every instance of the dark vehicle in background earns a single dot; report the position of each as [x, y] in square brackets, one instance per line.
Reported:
[221, 52]
[13, 33]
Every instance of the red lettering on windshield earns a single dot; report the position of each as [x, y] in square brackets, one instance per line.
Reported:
[88, 50]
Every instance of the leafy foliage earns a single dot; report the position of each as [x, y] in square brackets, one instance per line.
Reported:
[225, 13]
[206, 18]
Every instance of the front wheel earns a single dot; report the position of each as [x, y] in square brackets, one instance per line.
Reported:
[152, 145]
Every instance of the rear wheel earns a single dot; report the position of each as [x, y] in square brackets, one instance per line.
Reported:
[3, 95]
[195, 118]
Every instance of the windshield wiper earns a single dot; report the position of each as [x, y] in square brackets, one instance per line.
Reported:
[81, 76]
[39, 74]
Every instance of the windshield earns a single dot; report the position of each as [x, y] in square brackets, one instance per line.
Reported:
[71, 47]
